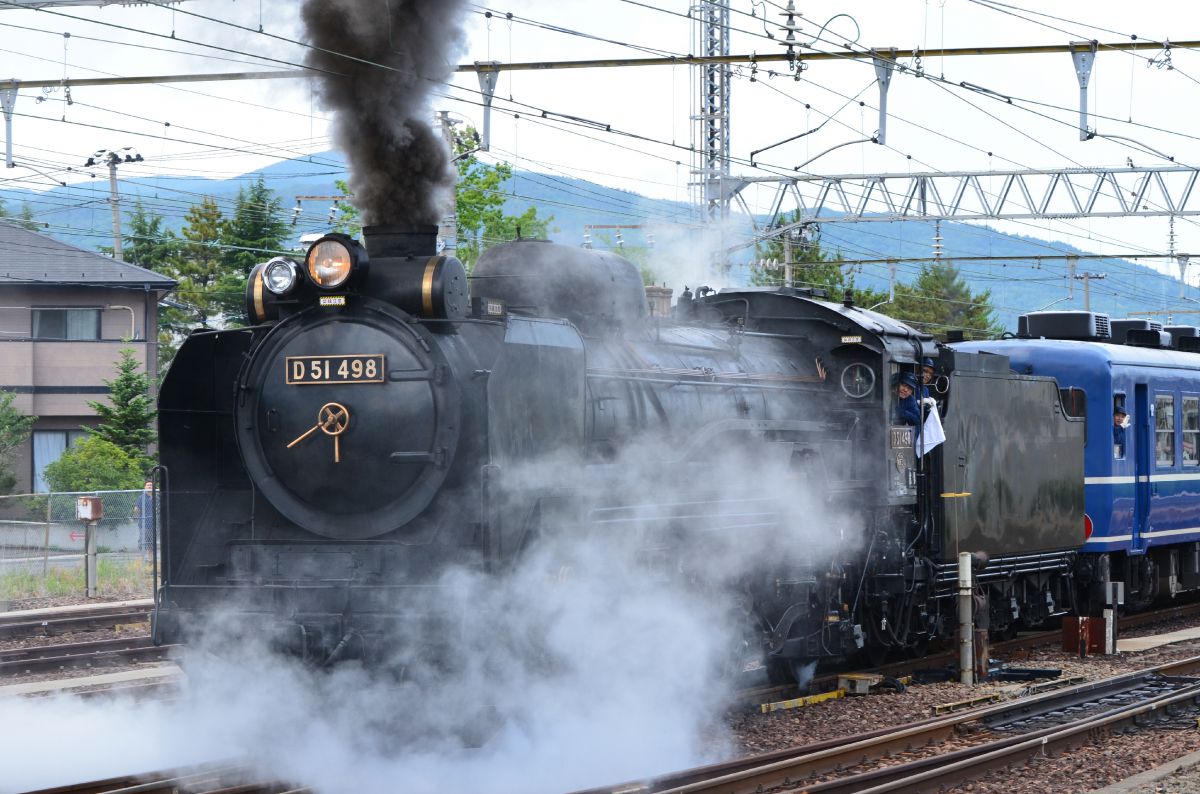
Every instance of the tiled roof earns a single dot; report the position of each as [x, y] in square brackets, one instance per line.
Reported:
[31, 258]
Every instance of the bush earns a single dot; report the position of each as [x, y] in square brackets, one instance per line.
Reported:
[94, 465]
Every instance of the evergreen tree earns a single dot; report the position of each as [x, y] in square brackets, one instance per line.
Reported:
[206, 290]
[256, 229]
[147, 244]
[940, 300]
[128, 422]
[26, 219]
[14, 431]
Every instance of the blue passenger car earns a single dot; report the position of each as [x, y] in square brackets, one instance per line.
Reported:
[1142, 482]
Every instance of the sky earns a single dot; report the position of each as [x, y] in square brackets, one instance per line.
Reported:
[630, 127]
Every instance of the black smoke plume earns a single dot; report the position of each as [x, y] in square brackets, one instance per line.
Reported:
[378, 62]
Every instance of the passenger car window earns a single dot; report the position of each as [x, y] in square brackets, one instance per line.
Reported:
[1191, 431]
[1164, 430]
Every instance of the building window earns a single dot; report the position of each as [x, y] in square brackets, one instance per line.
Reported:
[48, 446]
[1191, 431]
[1164, 430]
[70, 324]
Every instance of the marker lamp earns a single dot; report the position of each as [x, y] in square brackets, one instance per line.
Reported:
[280, 275]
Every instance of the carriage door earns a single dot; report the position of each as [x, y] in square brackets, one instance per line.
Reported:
[1143, 450]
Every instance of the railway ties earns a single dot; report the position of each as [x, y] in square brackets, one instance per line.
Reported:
[949, 751]
[52, 658]
[54, 622]
[205, 779]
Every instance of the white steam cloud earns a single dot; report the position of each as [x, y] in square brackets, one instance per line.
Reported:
[605, 656]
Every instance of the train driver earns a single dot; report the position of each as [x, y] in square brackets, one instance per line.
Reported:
[1120, 420]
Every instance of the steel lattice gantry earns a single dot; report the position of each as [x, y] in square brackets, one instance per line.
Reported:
[982, 195]
[712, 17]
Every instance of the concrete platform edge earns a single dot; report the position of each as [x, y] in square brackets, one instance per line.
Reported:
[1152, 775]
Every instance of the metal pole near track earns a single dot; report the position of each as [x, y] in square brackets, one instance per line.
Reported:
[90, 511]
[966, 649]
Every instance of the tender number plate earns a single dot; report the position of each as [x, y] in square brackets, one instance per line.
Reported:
[302, 370]
[900, 437]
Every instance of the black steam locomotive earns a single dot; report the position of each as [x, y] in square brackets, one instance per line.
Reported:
[387, 418]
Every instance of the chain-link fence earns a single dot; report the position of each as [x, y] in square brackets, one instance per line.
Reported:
[42, 543]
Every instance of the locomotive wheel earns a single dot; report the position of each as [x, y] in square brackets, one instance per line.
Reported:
[874, 655]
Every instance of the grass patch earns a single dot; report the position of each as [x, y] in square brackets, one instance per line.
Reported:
[117, 579]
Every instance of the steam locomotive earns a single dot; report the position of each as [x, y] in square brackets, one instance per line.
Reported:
[387, 418]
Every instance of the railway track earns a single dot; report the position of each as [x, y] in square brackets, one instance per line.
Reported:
[994, 737]
[99, 653]
[206, 779]
[54, 622]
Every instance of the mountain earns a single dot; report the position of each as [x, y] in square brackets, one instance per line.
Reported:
[667, 230]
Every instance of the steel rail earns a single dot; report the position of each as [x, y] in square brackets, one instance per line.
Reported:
[50, 658]
[50, 627]
[969, 763]
[798, 765]
[53, 613]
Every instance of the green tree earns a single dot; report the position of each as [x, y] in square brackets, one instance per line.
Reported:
[209, 292]
[479, 202]
[811, 267]
[345, 219]
[940, 300]
[14, 431]
[128, 422]
[209, 284]
[256, 229]
[26, 219]
[146, 243]
[94, 464]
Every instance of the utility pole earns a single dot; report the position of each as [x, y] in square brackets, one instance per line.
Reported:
[1086, 278]
[112, 159]
[788, 277]
[448, 228]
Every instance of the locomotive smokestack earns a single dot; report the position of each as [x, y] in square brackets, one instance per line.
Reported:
[394, 241]
[378, 63]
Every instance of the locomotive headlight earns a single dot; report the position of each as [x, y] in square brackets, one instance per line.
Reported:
[280, 275]
[329, 263]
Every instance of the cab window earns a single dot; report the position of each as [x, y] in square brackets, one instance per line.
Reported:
[1164, 430]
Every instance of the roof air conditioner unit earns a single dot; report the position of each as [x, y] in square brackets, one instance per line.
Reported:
[1065, 325]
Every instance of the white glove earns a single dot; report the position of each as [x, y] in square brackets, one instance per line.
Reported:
[929, 401]
[1125, 423]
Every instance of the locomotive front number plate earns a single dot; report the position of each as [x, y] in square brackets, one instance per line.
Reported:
[303, 370]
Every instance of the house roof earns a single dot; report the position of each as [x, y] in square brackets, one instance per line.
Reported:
[28, 257]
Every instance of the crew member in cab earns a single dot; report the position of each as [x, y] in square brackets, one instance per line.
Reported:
[930, 387]
[1120, 422]
[907, 410]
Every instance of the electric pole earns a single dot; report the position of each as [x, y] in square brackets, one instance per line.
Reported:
[448, 228]
[112, 159]
[1086, 278]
